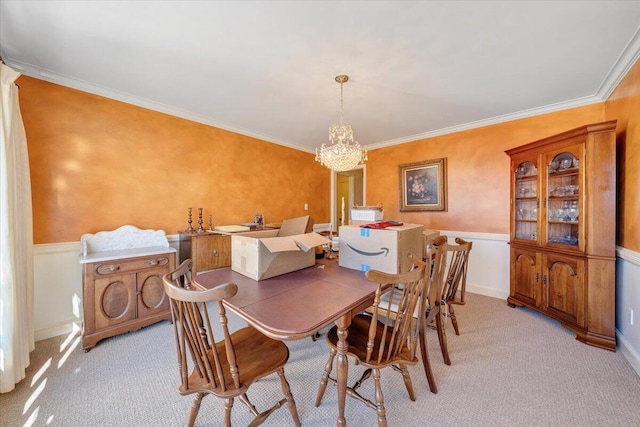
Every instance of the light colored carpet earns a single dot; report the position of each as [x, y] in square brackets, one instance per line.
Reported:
[509, 367]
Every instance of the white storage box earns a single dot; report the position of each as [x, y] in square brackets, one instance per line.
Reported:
[264, 254]
[385, 250]
[365, 215]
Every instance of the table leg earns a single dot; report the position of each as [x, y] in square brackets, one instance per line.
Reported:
[342, 365]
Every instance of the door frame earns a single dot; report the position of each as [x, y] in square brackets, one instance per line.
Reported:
[334, 184]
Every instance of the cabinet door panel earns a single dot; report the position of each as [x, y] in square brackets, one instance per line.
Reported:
[564, 198]
[114, 300]
[524, 271]
[563, 295]
[152, 298]
[212, 252]
[524, 197]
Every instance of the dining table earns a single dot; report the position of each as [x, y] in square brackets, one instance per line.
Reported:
[298, 304]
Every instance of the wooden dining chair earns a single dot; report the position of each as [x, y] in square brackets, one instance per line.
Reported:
[436, 259]
[384, 338]
[224, 368]
[456, 277]
[434, 299]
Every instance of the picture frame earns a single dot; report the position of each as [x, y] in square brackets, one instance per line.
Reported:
[259, 219]
[423, 186]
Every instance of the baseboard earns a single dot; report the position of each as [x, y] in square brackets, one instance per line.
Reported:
[64, 328]
[489, 292]
[629, 353]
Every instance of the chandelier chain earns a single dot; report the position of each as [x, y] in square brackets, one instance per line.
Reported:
[341, 105]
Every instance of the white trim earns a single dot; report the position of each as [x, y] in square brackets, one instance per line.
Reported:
[468, 235]
[625, 61]
[29, 70]
[58, 280]
[532, 112]
[488, 272]
[628, 255]
[332, 194]
[61, 79]
[629, 353]
[56, 248]
[57, 330]
[488, 292]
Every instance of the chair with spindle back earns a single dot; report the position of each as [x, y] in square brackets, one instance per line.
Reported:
[434, 311]
[386, 338]
[228, 367]
[456, 277]
[436, 259]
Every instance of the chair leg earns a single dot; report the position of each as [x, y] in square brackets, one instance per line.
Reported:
[291, 404]
[425, 359]
[325, 376]
[454, 321]
[407, 382]
[195, 408]
[382, 416]
[365, 376]
[228, 404]
[442, 337]
[245, 399]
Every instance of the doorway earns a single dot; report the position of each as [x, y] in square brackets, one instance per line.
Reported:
[348, 188]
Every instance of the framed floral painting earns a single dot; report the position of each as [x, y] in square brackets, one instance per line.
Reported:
[423, 186]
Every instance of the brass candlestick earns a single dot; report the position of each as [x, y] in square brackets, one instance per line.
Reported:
[189, 228]
[210, 223]
[200, 228]
[330, 255]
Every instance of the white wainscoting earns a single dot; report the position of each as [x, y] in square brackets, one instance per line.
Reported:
[57, 288]
[488, 271]
[58, 285]
[628, 297]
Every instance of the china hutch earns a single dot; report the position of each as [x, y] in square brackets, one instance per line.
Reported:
[562, 235]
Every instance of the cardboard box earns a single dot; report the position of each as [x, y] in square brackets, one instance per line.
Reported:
[385, 250]
[268, 253]
[429, 236]
[364, 215]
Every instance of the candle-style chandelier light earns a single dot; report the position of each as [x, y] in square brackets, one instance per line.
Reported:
[343, 153]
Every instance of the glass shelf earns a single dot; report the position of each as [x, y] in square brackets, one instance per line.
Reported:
[563, 200]
[526, 201]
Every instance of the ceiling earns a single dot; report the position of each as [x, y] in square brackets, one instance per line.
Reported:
[267, 69]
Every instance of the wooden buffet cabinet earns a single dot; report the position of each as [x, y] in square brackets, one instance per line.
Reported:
[209, 250]
[563, 213]
[122, 289]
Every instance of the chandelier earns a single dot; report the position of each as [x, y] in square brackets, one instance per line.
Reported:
[343, 153]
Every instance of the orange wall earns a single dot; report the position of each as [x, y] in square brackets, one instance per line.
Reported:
[97, 164]
[477, 170]
[624, 105]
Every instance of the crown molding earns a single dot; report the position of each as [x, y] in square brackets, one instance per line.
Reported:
[63, 80]
[625, 62]
[579, 102]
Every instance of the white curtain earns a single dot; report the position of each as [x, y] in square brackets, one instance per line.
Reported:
[16, 239]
